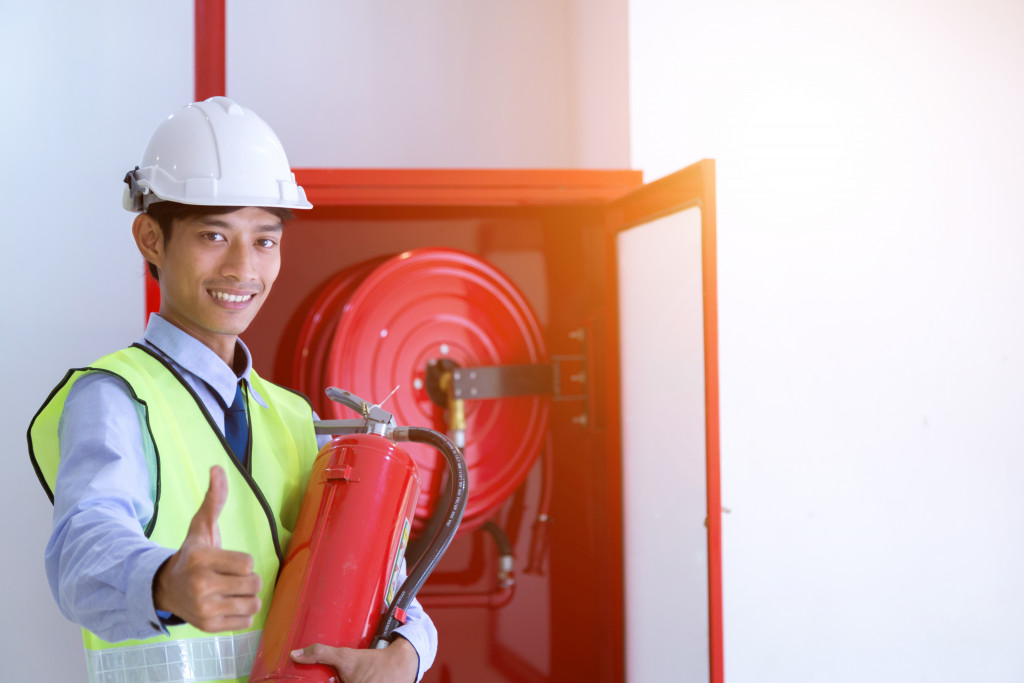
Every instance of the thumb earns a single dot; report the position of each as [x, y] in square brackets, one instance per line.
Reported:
[203, 528]
[322, 654]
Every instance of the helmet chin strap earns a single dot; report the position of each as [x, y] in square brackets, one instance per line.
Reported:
[134, 193]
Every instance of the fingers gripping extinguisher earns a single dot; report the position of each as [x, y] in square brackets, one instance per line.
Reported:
[337, 583]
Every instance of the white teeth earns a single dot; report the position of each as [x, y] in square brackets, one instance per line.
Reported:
[234, 298]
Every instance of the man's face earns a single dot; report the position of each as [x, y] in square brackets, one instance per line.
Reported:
[216, 271]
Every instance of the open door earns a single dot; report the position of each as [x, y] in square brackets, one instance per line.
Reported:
[665, 361]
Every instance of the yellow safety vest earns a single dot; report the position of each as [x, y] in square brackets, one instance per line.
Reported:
[258, 517]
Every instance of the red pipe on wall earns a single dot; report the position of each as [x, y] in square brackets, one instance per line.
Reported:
[494, 599]
[210, 47]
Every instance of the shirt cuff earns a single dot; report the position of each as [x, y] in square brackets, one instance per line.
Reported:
[140, 588]
[168, 619]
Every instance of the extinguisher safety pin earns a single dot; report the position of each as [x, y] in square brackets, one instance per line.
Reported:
[378, 405]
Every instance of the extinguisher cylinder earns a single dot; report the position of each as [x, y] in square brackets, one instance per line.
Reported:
[342, 564]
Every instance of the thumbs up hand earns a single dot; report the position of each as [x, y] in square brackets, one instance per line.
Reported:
[211, 588]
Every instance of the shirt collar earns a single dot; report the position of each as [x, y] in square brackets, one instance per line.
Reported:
[199, 359]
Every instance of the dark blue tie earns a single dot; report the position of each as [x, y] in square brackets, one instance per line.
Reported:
[236, 431]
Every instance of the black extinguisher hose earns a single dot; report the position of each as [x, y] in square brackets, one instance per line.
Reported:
[442, 537]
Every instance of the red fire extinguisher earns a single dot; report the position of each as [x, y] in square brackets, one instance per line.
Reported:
[337, 585]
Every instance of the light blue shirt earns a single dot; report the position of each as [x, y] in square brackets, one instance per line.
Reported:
[99, 563]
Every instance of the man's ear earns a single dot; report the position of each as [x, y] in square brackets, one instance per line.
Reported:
[149, 238]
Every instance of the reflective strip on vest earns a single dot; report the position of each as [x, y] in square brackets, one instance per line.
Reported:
[216, 658]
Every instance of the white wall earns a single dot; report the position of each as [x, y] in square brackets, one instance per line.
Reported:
[84, 84]
[444, 83]
[871, 235]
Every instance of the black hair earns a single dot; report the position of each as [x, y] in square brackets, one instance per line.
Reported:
[166, 213]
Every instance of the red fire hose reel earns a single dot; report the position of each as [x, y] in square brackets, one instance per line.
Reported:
[438, 324]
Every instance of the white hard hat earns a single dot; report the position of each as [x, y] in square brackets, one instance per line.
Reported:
[214, 153]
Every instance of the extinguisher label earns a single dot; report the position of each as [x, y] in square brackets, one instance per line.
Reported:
[393, 583]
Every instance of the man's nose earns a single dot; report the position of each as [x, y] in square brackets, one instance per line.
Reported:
[239, 262]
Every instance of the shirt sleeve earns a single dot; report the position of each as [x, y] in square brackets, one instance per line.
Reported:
[99, 563]
[419, 630]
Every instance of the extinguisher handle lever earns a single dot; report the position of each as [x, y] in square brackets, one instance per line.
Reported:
[339, 427]
[377, 419]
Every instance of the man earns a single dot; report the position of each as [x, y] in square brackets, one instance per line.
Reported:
[169, 575]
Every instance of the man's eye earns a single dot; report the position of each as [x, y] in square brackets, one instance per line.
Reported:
[266, 243]
[213, 236]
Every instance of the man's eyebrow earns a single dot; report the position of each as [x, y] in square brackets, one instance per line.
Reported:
[215, 222]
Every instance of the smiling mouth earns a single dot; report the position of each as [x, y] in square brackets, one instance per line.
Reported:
[230, 298]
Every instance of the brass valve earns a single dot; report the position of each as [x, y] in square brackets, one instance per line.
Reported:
[456, 410]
